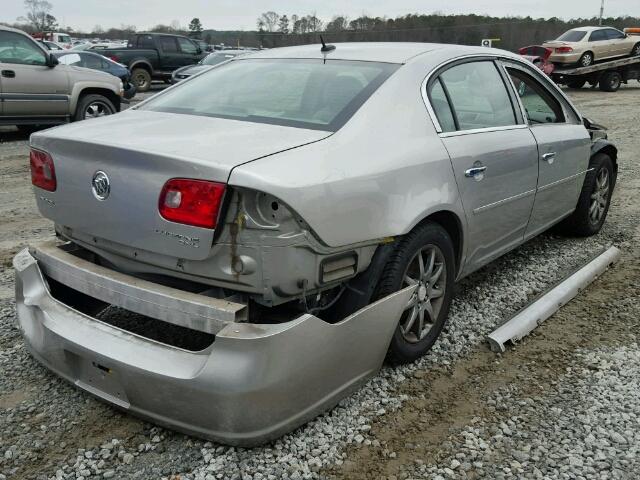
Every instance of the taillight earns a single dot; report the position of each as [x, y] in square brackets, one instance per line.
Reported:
[564, 49]
[43, 173]
[113, 57]
[191, 202]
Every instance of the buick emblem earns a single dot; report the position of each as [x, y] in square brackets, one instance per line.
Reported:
[100, 185]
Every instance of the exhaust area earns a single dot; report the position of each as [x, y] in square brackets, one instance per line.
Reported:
[528, 318]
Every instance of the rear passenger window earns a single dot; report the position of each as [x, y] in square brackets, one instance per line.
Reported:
[478, 96]
[539, 104]
[441, 107]
[598, 35]
[145, 41]
[168, 45]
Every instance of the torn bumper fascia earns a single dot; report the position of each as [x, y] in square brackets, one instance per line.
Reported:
[253, 384]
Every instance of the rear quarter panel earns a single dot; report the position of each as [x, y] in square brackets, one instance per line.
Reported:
[378, 176]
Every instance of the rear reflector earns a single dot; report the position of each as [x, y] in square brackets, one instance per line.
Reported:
[191, 202]
[43, 173]
[564, 50]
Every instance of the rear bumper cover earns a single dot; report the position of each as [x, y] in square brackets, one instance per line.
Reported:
[253, 384]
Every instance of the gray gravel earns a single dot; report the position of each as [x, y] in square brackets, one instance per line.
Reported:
[50, 430]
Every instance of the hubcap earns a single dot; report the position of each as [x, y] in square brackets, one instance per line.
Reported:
[599, 197]
[427, 269]
[96, 109]
[586, 60]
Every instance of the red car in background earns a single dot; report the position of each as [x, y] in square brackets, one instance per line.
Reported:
[539, 56]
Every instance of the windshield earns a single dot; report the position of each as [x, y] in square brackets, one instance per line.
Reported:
[572, 36]
[216, 58]
[298, 93]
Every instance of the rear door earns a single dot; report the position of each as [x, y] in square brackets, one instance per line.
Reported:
[600, 44]
[29, 87]
[493, 153]
[563, 146]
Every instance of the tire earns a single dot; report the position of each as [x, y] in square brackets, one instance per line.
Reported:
[28, 129]
[409, 341]
[585, 221]
[93, 106]
[610, 81]
[141, 79]
[586, 59]
[577, 84]
[635, 51]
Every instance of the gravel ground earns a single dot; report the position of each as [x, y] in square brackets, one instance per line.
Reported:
[562, 404]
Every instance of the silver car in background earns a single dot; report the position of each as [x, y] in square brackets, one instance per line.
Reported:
[215, 58]
[277, 226]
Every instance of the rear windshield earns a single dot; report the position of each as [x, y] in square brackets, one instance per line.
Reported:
[572, 36]
[298, 93]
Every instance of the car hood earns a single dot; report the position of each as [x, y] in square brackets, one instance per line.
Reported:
[194, 69]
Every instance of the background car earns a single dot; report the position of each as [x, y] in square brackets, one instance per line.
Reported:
[98, 62]
[586, 45]
[210, 60]
[49, 45]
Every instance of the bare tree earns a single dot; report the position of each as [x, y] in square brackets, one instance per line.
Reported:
[337, 24]
[314, 23]
[39, 14]
[268, 21]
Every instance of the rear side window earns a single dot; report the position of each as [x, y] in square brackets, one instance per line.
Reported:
[598, 35]
[145, 41]
[478, 96]
[539, 104]
[441, 107]
[168, 45]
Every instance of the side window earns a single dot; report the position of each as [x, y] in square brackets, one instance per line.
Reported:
[539, 104]
[478, 95]
[92, 61]
[614, 34]
[71, 59]
[168, 45]
[145, 41]
[441, 107]
[18, 49]
[598, 35]
[186, 46]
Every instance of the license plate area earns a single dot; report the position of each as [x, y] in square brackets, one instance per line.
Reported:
[98, 379]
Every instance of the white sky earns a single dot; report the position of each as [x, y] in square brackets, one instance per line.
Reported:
[242, 14]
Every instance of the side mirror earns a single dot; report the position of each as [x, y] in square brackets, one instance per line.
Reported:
[52, 60]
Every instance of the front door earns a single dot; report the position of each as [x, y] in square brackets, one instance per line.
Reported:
[171, 56]
[563, 148]
[29, 87]
[493, 153]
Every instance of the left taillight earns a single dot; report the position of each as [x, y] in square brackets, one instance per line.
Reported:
[191, 202]
[43, 172]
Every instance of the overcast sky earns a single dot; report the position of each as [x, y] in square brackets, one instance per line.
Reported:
[242, 14]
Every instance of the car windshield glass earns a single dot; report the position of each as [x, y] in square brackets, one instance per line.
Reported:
[297, 93]
[216, 58]
[572, 36]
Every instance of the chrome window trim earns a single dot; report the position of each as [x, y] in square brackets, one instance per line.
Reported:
[432, 114]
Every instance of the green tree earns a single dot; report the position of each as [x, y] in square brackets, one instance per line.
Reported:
[283, 24]
[195, 28]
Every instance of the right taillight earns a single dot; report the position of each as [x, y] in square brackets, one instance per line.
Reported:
[43, 173]
[564, 50]
[191, 202]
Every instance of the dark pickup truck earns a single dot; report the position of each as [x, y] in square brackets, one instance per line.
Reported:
[154, 56]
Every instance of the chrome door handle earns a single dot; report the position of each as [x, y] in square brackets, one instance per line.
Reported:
[472, 172]
[549, 157]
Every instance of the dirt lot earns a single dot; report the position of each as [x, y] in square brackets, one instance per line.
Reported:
[472, 415]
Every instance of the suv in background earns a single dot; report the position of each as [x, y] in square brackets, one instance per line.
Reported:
[36, 90]
[585, 45]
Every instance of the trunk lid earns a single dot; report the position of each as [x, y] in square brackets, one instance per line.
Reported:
[138, 152]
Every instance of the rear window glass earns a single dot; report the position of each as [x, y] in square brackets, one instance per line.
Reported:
[216, 58]
[572, 36]
[298, 93]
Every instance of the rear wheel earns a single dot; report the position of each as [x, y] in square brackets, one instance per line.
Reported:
[610, 81]
[141, 79]
[576, 84]
[93, 106]
[586, 59]
[594, 201]
[425, 257]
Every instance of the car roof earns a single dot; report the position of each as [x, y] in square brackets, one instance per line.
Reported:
[388, 52]
[591, 29]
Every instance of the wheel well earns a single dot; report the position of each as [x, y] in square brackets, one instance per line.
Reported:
[612, 153]
[115, 99]
[142, 65]
[451, 223]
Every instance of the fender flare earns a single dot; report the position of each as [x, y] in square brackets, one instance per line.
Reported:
[137, 62]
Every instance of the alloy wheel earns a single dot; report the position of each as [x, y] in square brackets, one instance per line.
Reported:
[587, 59]
[97, 109]
[428, 271]
[599, 197]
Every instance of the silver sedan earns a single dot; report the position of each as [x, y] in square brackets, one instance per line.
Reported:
[243, 249]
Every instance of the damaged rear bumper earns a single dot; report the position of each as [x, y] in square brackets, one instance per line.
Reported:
[254, 383]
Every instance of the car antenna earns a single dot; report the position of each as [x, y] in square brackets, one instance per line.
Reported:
[326, 48]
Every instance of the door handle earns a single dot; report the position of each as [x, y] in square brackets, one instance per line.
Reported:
[8, 73]
[475, 172]
[549, 157]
